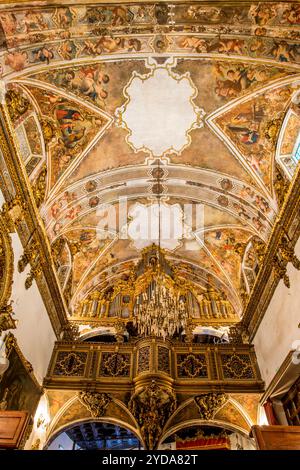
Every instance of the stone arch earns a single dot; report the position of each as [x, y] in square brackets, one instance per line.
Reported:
[231, 416]
[110, 420]
[74, 412]
[200, 422]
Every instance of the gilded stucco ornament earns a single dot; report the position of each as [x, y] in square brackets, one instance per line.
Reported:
[280, 270]
[287, 252]
[6, 278]
[14, 211]
[281, 185]
[11, 343]
[39, 188]
[209, 404]
[32, 256]
[95, 402]
[260, 249]
[17, 104]
[152, 406]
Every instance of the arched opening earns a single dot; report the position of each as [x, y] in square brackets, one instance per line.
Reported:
[94, 435]
[206, 437]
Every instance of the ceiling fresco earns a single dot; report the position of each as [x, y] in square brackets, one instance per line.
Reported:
[194, 104]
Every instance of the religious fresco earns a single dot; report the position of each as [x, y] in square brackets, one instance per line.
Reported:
[68, 129]
[224, 245]
[84, 31]
[85, 246]
[231, 414]
[71, 69]
[290, 135]
[233, 80]
[97, 83]
[253, 127]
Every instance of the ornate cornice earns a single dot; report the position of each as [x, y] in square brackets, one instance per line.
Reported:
[279, 252]
[28, 223]
[6, 277]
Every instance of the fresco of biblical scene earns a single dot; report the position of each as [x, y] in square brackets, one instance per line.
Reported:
[290, 135]
[257, 47]
[280, 13]
[100, 84]
[68, 129]
[85, 247]
[66, 33]
[235, 79]
[253, 132]
[201, 258]
[225, 245]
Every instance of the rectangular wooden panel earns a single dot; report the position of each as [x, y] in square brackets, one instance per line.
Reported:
[12, 428]
[277, 437]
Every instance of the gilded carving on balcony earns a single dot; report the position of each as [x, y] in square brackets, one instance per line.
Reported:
[95, 402]
[192, 366]
[237, 366]
[163, 359]
[115, 365]
[152, 406]
[70, 363]
[144, 359]
[208, 404]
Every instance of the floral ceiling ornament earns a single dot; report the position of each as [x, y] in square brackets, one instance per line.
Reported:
[163, 102]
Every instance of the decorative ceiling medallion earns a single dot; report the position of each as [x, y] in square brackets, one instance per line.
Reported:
[160, 112]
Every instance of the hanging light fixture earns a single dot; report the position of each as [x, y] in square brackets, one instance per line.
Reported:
[160, 307]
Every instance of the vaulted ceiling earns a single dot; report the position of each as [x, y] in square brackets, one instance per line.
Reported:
[101, 95]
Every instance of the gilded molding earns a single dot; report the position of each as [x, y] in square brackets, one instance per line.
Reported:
[209, 404]
[95, 402]
[24, 212]
[6, 278]
[152, 406]
[278, 253]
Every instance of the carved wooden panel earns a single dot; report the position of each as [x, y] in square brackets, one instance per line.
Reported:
[12, 428]
[277, 437]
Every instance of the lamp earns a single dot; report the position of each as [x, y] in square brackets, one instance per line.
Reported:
[160, 305]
